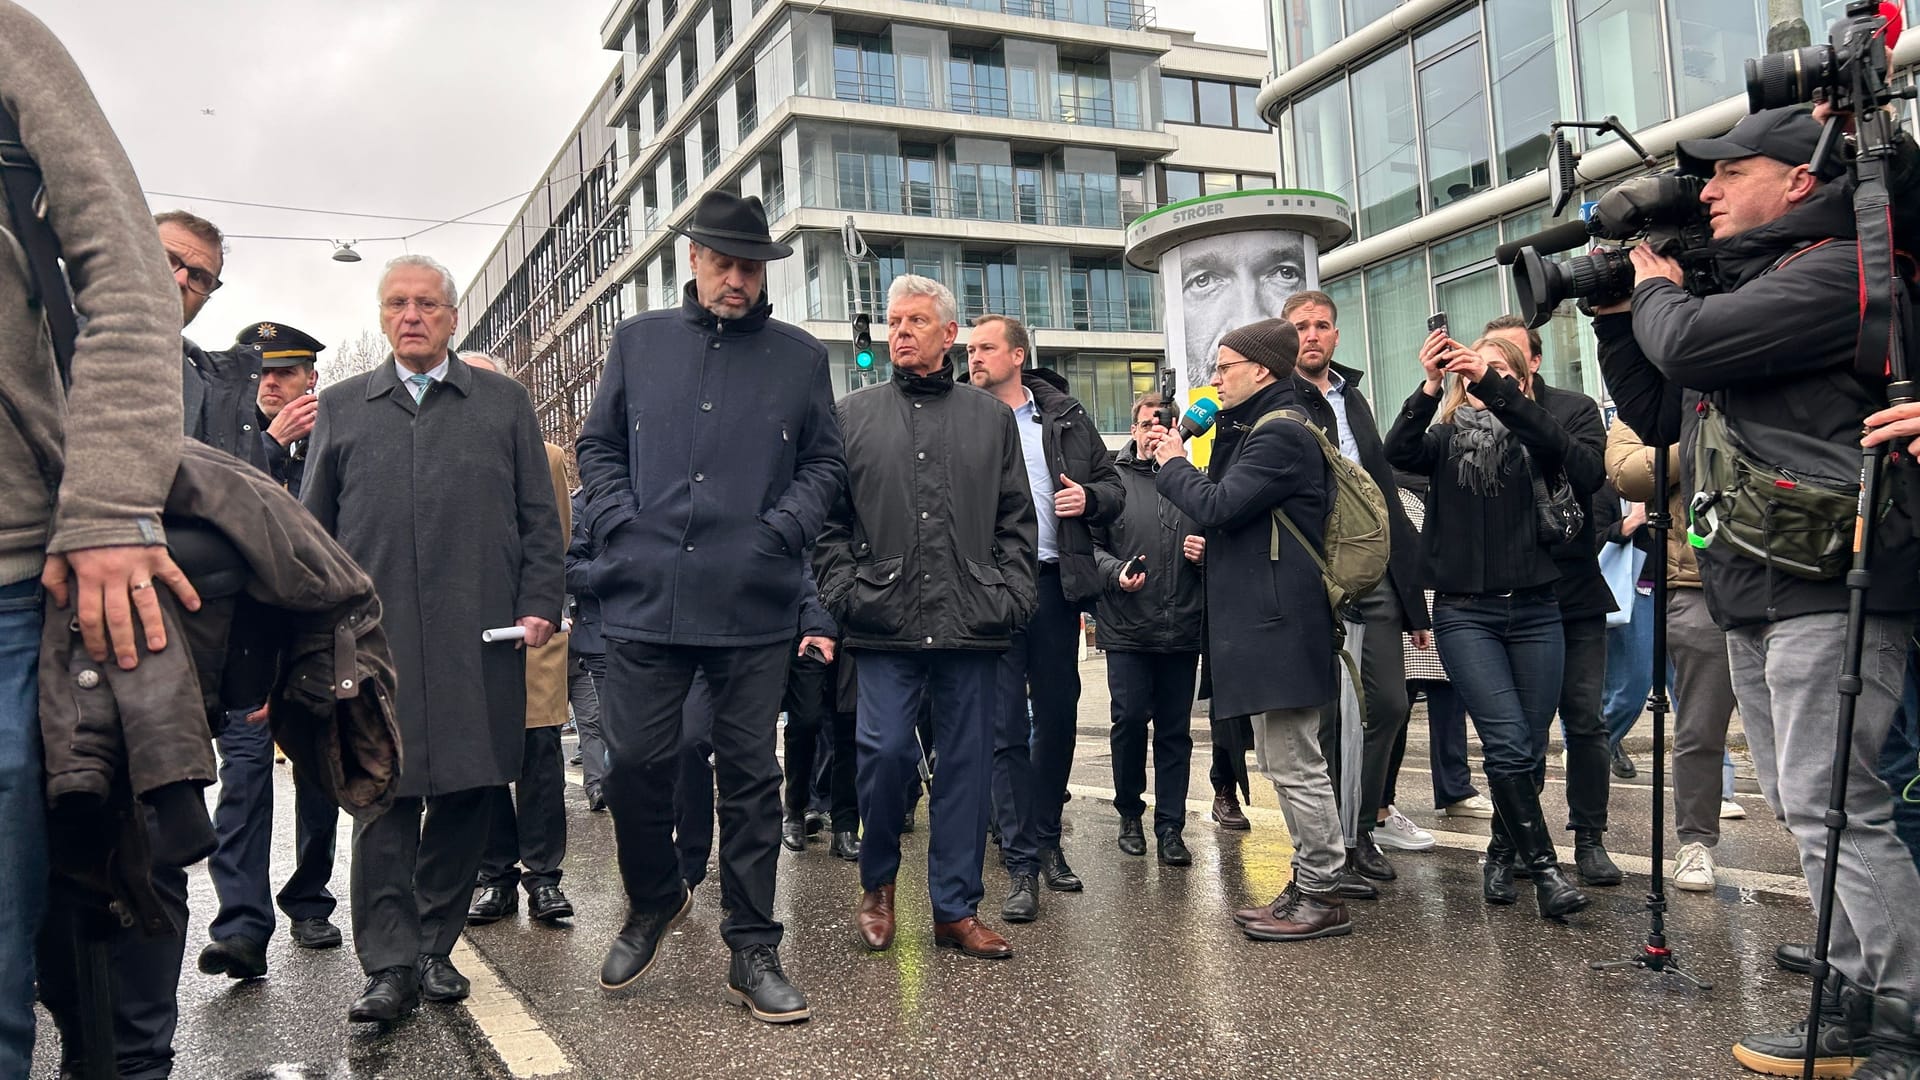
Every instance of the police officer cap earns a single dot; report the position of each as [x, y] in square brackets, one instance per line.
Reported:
[280, 345]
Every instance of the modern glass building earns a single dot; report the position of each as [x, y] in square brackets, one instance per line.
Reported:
[1430, 117]
[1000, 146]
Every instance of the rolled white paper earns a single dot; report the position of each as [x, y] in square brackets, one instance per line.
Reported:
[504, 633]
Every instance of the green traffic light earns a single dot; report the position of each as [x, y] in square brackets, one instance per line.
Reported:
[863, 360]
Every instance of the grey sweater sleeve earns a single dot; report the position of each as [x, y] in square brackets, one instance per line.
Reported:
[122, 414]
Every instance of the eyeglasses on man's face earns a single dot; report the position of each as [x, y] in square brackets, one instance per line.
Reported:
[198, 280]
[427, 307]
[1225, 364]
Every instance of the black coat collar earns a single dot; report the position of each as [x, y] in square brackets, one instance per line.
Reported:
[934, 384]
[754, 320]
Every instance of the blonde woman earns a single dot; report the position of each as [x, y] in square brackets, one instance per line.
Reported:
[1495, 619]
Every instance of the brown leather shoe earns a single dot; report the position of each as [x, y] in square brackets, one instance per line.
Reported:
[875, 917]
[972, 937]
[1271, 911]
[1310, 915]
[1226, 812]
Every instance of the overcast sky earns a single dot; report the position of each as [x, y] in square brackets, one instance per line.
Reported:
[415, 108]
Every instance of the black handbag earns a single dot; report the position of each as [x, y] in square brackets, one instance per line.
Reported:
[1558, 515]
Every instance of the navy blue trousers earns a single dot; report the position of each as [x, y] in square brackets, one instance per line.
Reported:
[960, 684]
[243, 832]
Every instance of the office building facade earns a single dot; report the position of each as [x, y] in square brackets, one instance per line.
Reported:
[1000, 146]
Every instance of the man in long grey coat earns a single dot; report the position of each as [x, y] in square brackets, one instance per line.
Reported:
[432, 475]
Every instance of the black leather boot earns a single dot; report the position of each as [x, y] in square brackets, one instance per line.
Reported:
[1896, 1041]
[1591, 859]
[1519, 809]
[1496, 874]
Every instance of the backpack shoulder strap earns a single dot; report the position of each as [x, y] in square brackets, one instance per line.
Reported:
[1280, 516]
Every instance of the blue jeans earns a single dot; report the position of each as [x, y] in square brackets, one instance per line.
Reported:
[1629, 669]
[23, 840]
[1504, 655]
[1900, 759]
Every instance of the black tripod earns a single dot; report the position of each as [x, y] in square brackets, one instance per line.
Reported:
[1654, 955]
[1881, 354]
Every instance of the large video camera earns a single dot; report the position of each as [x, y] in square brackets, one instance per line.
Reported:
[1828, 73]
[1662, 210]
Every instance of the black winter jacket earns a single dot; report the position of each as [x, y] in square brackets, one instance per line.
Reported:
[1169, 611]
[287, 464]
[221, 397]
[1582, 591]
[932, 544]
[1074, 447]
[1775, 349]
[1269, 631]
[586, 636]
[1406, 575]
[1481, 543]
[709, 459]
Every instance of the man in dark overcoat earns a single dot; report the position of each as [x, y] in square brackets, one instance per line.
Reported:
[709, 460]
[432, 475]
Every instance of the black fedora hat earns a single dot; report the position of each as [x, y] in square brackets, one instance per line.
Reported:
[734, 226]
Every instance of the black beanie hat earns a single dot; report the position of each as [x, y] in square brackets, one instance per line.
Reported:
[1271, 343]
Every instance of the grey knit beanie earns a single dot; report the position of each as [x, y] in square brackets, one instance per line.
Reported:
[1271, 343]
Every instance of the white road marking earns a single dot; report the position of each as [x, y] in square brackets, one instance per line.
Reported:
[512, 1032]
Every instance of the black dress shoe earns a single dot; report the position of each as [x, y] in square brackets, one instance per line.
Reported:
[596, 801]
[441, 981]
[754, 980]
[1060, 877]
[1591, 859]
[547, 903]
[574, 760]
[1173, 850]
[1023, 900]
[1132, 840]
[391, 994]
[494, 903]
[234, 957]
[816, 821]
[1622, 764]
[1349, 884]
[1794, 956]
[314, 934]
[793, 834]
[638, 943]
[845, 845]
[1367, 858]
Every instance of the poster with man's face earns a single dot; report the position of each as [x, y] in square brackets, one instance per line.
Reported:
[1216, 284]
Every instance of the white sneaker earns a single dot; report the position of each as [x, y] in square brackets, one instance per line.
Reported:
[1731, 811]
[1400, 833]
[1476, 807]
[1693, 869]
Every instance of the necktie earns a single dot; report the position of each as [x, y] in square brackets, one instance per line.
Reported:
[418, 383]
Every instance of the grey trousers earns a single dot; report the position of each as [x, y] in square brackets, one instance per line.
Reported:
[586, 674]
[1342, 730]
[1703, 705]
[1286, 747]
[1784, 675]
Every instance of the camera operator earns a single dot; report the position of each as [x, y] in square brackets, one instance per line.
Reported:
[1496, 618]
[1252, 582]
[1774, 355]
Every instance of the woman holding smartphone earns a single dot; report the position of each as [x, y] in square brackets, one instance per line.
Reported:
[1495, 619]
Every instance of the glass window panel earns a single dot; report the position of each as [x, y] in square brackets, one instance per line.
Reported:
[1619, 58]
[1182, 184]
[1323, 142]
[1176, 96]
[1216, 104]
[1446, 35]
[1350, 311]
[1384, 134]
[1526, 82]
[1246, 115]
[1253, 181]
[1397, 324]
[1218, 182]
[1310, 25]
[1471, 301]
[1454, 109]
[1710, 39]
[1464, 251]
[1362, 12]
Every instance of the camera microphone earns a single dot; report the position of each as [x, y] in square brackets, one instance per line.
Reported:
[1563, 237]
[1198, 419]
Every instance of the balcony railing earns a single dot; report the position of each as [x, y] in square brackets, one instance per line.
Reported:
[710, 160]
[749, 119]
[1095, 210]
[871, 88]
[868, 88]
[689, 81]
[1118, 14]
[722, 40]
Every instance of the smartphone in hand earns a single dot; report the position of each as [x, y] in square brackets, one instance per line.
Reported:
[1136, 567]
[1437, 321]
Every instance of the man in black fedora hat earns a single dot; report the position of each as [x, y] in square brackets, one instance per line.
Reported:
[708, 462]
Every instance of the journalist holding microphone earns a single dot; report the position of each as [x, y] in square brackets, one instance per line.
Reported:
[1495, 618]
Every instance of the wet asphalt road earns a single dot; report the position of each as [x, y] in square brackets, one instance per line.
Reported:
[1141, 975]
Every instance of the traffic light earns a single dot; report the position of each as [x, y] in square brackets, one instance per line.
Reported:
[863, 342]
